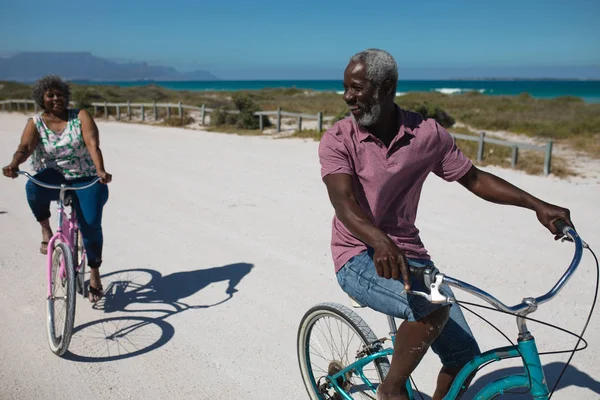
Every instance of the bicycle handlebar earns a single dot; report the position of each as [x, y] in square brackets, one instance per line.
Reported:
[433, 279]
[58, 187]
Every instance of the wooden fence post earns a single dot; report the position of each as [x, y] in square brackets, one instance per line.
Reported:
[180, 112]
[105, 110]
[515, 155]
[118, 113]
[203, 113]
[168, 113]
[278, 119]
[299, 123]
[261, 125]
[143, 113]
[129, 110]
[480, 148]
[155, 111]
[320, 121]
[95, 111]
[548, 158]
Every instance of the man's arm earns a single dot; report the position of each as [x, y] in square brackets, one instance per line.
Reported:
[496, 190]
[389, 260]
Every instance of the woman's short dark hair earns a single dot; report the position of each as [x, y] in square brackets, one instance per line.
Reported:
[46, 83]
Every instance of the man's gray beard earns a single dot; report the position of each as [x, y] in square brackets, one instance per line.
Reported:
[369, 118]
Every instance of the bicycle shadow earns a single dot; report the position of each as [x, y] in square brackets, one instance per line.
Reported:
[125, 336]
[571, 377]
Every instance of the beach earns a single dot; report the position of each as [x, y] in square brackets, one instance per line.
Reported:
[217, 244]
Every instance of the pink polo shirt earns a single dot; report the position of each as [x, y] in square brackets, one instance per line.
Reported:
[388, 181]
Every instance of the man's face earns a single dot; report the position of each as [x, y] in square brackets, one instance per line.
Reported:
[361, 95]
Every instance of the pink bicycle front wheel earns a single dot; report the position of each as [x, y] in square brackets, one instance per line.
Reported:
[60, 310]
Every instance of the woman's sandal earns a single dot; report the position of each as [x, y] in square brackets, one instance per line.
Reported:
[95, 294]
[44, 248]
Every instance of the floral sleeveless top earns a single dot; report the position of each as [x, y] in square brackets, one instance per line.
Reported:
[64, 151]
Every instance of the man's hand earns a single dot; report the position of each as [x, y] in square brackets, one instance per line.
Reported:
[10, 171]
[105, 177]
[547, 214]
[391, 262]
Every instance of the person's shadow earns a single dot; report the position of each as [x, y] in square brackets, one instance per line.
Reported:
[170, 289]
[130, 335]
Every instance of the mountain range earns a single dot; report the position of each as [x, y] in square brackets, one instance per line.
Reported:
[84, 66]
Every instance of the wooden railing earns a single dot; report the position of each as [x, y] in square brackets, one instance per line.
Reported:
[24, 105]
[515, 146]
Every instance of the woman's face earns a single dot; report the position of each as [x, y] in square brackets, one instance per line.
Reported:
[55, 100]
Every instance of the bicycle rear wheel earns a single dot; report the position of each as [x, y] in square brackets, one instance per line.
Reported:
[60, 310]
[330, 337]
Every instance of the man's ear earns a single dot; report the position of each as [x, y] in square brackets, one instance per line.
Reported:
[388, 86]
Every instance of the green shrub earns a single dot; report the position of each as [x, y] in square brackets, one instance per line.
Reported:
[219, 116]
[428, 110]
[246, 105]
[84, 98]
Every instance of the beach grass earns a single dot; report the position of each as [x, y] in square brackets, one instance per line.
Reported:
[567, 120]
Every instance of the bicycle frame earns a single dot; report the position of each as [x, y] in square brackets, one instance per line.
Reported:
[66, 232]
[67, 228]
[533, 379]
[526, 349]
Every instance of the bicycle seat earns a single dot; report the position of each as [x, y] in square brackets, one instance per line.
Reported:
[355, 304]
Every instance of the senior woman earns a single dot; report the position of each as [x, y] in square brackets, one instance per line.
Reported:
[64, 146]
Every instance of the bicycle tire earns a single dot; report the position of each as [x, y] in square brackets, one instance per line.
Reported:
[346, 316]
[59, 337]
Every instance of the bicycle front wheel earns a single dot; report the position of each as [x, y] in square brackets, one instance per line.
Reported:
[331, 337]
[60, 310]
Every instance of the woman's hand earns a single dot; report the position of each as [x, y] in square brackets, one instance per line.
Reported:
[105, 177]
[10, 171]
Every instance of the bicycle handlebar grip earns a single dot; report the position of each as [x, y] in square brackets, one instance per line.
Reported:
[561, 225]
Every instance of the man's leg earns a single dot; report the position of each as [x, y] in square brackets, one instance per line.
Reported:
[412, 342]
[455, 346]
[423, 321]
[446, 378]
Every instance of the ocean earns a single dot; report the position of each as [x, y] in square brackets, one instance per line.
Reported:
[589, 91]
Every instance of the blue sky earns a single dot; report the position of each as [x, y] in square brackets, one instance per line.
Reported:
[314, 39]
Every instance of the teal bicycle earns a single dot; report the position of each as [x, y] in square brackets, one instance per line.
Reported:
[354, 367]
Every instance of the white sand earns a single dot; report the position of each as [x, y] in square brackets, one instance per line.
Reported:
[184, 202]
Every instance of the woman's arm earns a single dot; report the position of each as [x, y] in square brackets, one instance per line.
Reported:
[29, 141]
[91, 137]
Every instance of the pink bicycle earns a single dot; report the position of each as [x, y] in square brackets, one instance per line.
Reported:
[66, 268]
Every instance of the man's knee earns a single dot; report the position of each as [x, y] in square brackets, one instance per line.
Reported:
[437, 319]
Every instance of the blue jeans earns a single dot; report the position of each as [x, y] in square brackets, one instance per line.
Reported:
[88, 205]
[358, 278]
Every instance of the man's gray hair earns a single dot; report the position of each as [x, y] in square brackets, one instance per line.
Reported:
[46, 83]
[380, 65]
